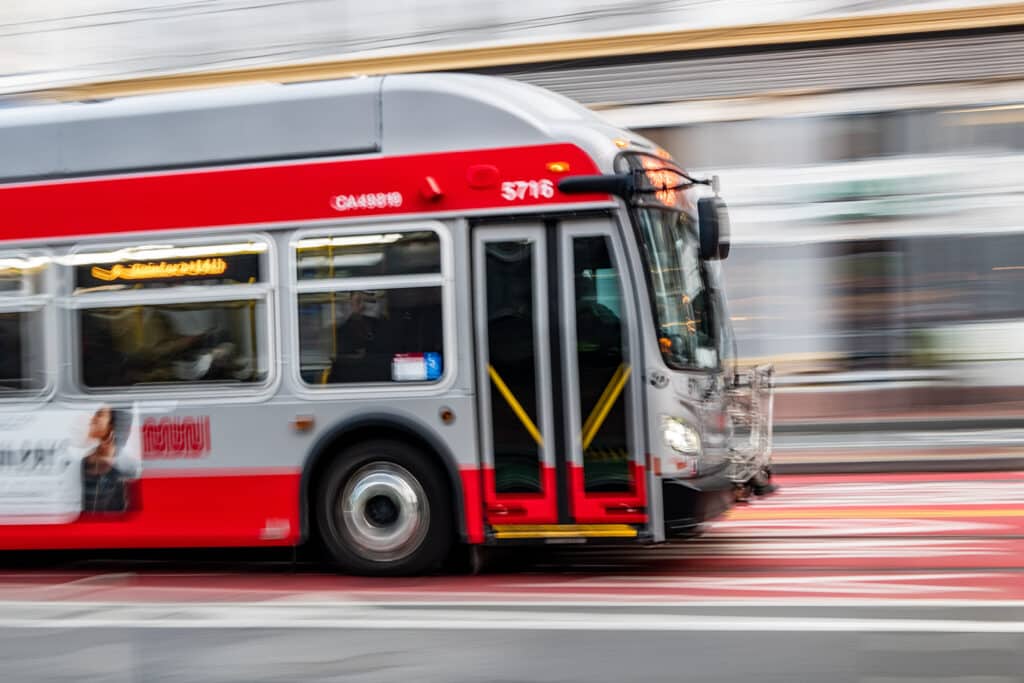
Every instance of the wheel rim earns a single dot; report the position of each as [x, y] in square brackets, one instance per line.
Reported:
[383, 512]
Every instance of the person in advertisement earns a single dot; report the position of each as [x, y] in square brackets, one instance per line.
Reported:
[110, 465]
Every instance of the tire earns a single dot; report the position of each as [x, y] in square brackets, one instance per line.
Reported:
[384, 509]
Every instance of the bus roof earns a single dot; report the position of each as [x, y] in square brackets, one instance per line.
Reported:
[401, 114]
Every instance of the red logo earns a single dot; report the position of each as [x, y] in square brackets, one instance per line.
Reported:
[176, 437]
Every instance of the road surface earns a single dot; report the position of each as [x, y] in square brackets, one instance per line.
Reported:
[837, 578]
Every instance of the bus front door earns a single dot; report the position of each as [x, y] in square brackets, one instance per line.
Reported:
[562, 453]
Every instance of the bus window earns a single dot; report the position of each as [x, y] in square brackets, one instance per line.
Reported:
[375, 255]
[512, 356]
[602, 361]
[368, 336]
[172, 314]
[370, 308]
[22, 294]
[683, 304]
[20, 364]
[198, 342]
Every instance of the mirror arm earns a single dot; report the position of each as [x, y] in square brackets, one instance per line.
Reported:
[625, 185]
[621, 185]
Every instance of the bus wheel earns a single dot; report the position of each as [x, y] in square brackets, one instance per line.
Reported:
[383, 510]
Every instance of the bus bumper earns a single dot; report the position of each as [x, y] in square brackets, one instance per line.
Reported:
[688, 503]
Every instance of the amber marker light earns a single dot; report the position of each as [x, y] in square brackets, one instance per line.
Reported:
[663, 179]
[558, 166]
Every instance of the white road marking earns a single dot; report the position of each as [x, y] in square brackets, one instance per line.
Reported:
[844, 548]
[586, 601]
[896, 494]
[938, 440]
[97, 579]
[483, 600]
[266, 617]
[843, 526]
[855, 584]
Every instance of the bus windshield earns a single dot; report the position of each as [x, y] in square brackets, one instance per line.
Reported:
[681, 297]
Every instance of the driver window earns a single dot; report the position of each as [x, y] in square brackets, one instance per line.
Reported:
[697, 306]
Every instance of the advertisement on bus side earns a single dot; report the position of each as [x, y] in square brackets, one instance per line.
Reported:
[58, 464]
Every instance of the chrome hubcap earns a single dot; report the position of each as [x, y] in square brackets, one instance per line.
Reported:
[383, 511]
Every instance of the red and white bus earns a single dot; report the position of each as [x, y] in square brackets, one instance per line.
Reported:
[393, 313]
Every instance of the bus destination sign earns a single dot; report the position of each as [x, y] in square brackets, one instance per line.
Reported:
[226, 269]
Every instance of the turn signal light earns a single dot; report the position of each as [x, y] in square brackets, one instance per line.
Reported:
[558, 166]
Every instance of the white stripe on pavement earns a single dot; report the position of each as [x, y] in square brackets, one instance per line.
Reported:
[270, 617]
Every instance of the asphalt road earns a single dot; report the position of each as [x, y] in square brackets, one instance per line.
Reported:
[872, 578]
[449, 656]
[501, 645]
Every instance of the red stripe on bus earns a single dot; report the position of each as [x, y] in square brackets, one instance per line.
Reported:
[154, 473]
[180, 512]
[606, 508]
[628, 507]
[522, 508]
[199, 508]
[288, 192]
[473, 505]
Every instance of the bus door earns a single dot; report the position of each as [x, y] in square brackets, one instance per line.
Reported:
[559, 390]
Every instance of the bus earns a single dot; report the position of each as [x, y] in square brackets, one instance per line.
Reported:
[392, 315]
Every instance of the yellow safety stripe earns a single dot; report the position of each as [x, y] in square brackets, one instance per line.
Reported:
[514, 405]
[601, 401]
[604, 404]
[511, 531]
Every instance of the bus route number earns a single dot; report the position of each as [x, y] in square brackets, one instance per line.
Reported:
[368, 201]
[518, 190]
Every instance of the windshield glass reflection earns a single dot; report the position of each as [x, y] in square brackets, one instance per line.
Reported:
[682, 300]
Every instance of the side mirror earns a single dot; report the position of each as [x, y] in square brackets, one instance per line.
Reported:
[713, 221]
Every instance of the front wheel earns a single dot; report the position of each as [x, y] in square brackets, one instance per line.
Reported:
[383, 509]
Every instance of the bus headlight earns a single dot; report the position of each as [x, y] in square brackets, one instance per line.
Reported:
[680, 437]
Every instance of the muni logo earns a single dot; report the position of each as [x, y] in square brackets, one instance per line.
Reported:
[176, 437]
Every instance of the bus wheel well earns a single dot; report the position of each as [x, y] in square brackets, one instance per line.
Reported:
[334, 446]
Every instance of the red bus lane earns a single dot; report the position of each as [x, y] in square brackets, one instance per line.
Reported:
[922, 537]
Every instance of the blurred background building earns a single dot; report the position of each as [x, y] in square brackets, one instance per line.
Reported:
[47, 42]
[875, 168]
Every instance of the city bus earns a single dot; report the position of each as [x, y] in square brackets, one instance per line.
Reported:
[390, 315]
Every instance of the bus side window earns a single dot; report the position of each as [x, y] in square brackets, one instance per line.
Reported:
[172, 343]
[22, 365]
[215, 331]
[354, 335]
[15, 372]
